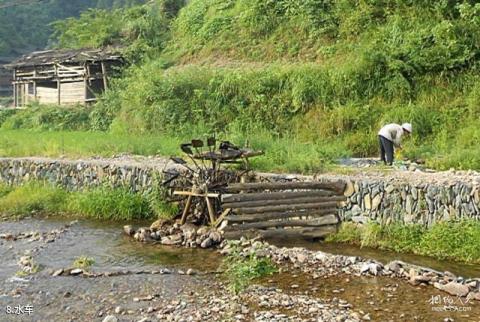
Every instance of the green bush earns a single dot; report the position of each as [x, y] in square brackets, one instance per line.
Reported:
[49, 118]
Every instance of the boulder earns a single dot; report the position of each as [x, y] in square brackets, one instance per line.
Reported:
[215, 236]
[129, 230]
[207, 243]
[453, 288]
[110, 318]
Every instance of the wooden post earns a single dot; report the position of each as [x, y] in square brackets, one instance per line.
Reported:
[211, 213]
[86, 75]
[35, 83]
[104, 74]
[15, 101]
[186, 209]
[59, 85]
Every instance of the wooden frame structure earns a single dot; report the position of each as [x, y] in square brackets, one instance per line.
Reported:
[283, 209]
[62, 77]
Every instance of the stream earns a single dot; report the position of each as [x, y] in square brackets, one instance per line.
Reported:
[68, 298]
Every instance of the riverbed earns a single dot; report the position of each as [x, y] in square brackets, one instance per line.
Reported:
[155, 285]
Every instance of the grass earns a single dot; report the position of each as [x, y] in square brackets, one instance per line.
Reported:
[104, 203]
[240, 269]
[281, 154]
[83, 262]
[74, 144]
[459, 240]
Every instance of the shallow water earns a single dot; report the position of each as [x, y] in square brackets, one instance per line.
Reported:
[112, 250]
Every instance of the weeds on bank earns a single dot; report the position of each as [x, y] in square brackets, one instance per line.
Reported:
[103, 202]
[456, 240]
[240, 268]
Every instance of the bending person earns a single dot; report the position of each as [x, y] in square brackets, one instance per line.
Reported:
[389, 137]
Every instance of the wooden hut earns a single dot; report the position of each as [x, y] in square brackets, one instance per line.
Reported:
[62, 76]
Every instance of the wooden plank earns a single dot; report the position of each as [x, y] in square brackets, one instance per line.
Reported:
[256, 210]
[275, 195]
[189, 193]
[293, 201]
[281, 215]
[323, 221]
[280, 233]
[337, 186]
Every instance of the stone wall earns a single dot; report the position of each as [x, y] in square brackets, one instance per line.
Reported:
[403, 197]
[75, 175]
[409, 201]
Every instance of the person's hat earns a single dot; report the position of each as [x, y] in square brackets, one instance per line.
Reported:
[407, 127]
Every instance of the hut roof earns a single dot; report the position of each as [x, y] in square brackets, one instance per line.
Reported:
[50, 57]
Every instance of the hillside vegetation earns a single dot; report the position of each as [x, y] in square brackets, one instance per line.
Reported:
[316, 73]
[25, 26]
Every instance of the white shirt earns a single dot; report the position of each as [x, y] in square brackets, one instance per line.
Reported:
[392, 132]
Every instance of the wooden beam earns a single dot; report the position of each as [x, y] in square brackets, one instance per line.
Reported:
[323, 221]
[186, 209]
[337, 186]
[257, 210]
[104, 74]
[194, 194]
[281, 215]
[293, 201]
[59, 86]
[85, 85]
[211, 212]
[15, 101]
[221, 217]
[274, 195]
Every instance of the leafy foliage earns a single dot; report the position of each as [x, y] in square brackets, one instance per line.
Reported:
[26, 27]
[140, 30]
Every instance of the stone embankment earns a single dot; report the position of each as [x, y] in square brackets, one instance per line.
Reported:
[384, 196]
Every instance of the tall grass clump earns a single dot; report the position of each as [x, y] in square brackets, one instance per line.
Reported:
[33, 198]
[103, 202]
[456, 240]
[110, 204]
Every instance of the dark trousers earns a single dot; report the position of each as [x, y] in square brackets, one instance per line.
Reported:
[386, 150]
